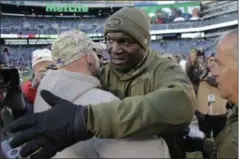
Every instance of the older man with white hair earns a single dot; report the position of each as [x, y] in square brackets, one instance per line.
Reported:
[41, 58]
[225, 69]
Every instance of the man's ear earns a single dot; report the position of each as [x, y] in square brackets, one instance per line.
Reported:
[90, 59]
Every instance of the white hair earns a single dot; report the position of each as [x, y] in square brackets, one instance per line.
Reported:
[227, 35]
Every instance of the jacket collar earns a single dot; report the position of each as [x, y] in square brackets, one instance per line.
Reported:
[76, 75]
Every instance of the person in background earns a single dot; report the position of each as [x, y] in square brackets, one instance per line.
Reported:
[12, 105]
[6, 55]
[183, 64]
[211, 107]
[3, 60]
[178, 58]
[210, 61]
[99, 49]
[178, 16]
[195, 14]
[40, 60]
[196, 67]
[2, 63]
[38, 75]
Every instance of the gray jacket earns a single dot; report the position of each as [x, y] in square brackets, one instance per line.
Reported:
[83, 89]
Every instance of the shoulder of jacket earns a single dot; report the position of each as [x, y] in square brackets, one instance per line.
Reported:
[105, 71]
[234, 126]
[234, 134]
[163, 64]
[96, 96]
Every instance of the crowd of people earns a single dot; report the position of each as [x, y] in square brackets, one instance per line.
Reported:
[173, 14]
[20, 56]
[139, 104]
[31, 25]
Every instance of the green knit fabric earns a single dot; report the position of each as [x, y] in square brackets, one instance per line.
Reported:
[133, 22]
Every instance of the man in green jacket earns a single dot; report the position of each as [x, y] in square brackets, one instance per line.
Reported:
[157, 97]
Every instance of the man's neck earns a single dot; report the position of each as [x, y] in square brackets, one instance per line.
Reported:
[78, 66]
[79, 70]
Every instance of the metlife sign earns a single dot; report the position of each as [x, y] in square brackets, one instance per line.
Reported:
[66, 8]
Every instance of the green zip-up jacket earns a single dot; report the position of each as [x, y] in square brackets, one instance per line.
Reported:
[227, 140]
[157, 97]
[226, 143]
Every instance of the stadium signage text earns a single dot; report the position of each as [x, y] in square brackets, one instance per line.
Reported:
[66, 8]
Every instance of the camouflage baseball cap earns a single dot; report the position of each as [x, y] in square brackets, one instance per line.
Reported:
[71, 46]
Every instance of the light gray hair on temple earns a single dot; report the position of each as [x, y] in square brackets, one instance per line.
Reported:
[230, 34]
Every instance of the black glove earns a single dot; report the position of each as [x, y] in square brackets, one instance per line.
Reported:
[49, 132]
